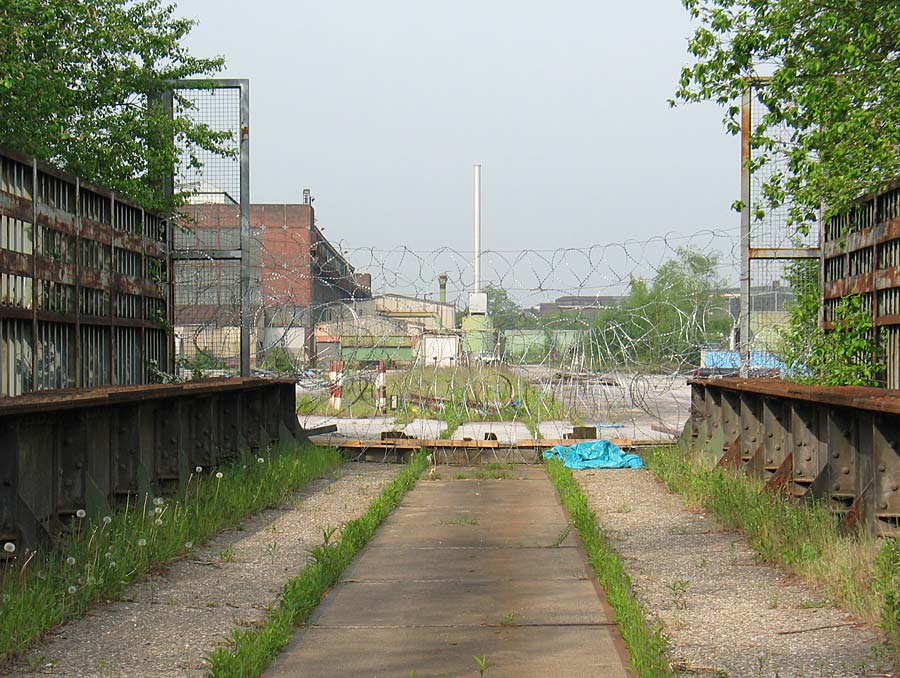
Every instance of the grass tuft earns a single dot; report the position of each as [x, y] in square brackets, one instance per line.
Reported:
[647, 643]
[855, 571]
[252, 650]
[100, 556]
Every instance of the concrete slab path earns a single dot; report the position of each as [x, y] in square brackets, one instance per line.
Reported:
[506, 431]
[347, 427]
[429, 429]
[555, 429]
[465, 568]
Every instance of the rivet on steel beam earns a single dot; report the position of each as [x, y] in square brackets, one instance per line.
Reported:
[778, 448]
[836, 455]
[771, 435]
[808, 457]
[746, 427]
[883, 506]
[845, 470]
[769, 460]
[836, 487]
[172, 440]
[882, 468]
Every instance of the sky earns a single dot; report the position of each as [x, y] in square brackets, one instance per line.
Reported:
[381, 109]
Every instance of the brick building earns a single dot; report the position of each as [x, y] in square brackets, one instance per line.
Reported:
[298, 278]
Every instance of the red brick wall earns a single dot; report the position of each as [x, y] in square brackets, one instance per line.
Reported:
[286, 263]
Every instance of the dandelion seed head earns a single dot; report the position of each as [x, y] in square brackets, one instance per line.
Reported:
[142, 542]
[112, 563]
[107, 520]
[260, 460]
[188, 544]
[72, 590]
[157, 510]
[9, 547]
[199, 469]
[70, 560]
[158, 522]
[80, 513]
[159, 501]
[219, 475]
[5, 597]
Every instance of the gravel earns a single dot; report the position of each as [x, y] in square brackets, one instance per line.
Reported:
[723, 610]
[166, 624]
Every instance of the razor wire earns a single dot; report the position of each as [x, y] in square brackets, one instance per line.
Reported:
[641, 317]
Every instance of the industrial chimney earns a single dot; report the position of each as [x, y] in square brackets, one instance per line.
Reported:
[442, 284]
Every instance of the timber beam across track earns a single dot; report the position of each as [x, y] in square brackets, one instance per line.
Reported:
[444, 444]
[836, 444]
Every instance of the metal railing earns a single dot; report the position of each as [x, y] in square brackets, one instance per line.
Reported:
[837, 444]
[85, 292]
[62, 451]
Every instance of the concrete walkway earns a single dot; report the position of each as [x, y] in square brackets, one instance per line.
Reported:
[464, 568]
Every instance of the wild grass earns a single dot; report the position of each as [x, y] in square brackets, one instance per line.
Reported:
[100, 556]
[252, 650]
[855, 571]
[483, 393]
[647, 643]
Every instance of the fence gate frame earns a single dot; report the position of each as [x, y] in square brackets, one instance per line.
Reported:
[749, 253]
[243, 254]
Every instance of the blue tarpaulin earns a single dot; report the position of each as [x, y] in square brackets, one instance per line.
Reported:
[594, 454]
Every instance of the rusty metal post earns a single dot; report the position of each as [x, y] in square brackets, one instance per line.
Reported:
[746, 122]
[246, 310]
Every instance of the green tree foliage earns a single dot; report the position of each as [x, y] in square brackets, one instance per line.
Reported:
[845, 355]
[505, 312]
[666, 320]
[79, 85]
[835, 80]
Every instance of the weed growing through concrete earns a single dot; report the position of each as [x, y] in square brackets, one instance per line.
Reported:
[647, 644]
[679, 589]
[252, 650]
[226, 555]
[856, 571]
[562, 536]
[99, 557]
[483, 665]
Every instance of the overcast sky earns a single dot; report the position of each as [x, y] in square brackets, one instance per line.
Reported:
[381, 108]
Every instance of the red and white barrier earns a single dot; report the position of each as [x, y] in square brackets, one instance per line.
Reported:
[380, 387]
[336, 384]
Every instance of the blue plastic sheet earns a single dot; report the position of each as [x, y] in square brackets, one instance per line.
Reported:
[594, 454]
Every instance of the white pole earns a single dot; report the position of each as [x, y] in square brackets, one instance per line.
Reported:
[477, 228]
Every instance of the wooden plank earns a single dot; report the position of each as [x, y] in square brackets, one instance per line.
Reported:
[415, 444]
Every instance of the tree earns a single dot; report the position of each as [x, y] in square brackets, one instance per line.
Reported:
[79, 86]
[845, 355]
[505, 312]
[835, 81]
[667, 320]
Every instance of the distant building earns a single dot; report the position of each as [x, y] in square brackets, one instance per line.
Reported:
[588, 305]
[297, 278]
[387, 327]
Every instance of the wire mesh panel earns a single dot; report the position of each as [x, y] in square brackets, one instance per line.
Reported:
[775, 249]
[212, 269]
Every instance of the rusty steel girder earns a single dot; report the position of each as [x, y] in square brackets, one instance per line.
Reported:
[61, 451]
[837, 444]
